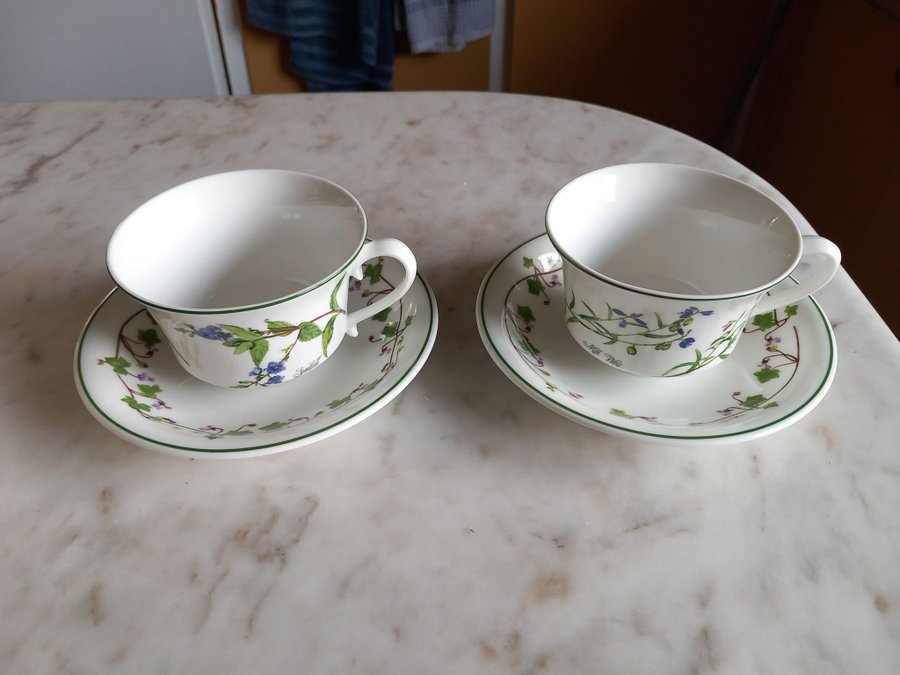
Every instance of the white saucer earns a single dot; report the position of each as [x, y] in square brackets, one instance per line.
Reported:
[153, 403]
[781, 368]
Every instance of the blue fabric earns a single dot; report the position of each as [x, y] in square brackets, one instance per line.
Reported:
[335, 45]
[446, 25]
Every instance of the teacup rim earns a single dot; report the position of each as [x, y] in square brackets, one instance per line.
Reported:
[237, 309]
[671, 295]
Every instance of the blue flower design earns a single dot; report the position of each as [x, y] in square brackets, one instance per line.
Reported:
[212, 333]
[256, 372]
[687, 342]
[144, 377]
[690, 311]
[275, 379]
[275, 367]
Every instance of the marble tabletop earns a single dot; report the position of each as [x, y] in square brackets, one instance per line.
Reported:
[463, 528]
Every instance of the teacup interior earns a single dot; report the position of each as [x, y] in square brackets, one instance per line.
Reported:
[236, 239]
[673, 229]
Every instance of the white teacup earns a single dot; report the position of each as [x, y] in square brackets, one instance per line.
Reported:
[665, 264]
[247, 272]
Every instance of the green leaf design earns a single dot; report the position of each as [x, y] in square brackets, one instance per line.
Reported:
[148, 337]
[790, 310]
[258, 351]
[528, 347]
[535, 286]
[119, 365]
[764, 321]
[273, 426]
[572, 302]
[337, 403]
[279, 325]
[753, 401]
[382, 315]
[244, 333]
[333, 303]
[621, 413]
[373, 272]
[389, 330]
[135, 404]
[327, 334]
[242, 346]
[309, 331]
[766, 374]
[525, 312]
[149, 390]
[528, 262]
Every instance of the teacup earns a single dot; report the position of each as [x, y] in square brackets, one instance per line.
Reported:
[664, 264]
[247, 272]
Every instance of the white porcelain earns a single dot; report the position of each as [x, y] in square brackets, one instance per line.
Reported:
[247, 272]
[780, 370]
[664, 264]
[129, 380]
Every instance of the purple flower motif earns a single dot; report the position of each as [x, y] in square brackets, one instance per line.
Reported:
[355, 285]
[212, 333]
[687, 342]
[707, 312]
[144, 377]
[772, 343]
[275, 367]
[688, 312]
[275, 379]
[574, 395]
[159, 405]
[554, 280]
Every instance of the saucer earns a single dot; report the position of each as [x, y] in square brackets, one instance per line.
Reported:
[129, 380]
[782, 367]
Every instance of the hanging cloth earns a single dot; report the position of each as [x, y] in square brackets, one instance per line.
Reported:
[446, 25]
[335, 45]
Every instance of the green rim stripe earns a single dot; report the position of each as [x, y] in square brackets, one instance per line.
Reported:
[555, 404]
[429, 338]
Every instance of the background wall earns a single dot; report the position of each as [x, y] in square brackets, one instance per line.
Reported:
[804, 92]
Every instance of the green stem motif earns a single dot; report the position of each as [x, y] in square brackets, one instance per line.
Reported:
[138, 342]
[519, 322]
[255, 341]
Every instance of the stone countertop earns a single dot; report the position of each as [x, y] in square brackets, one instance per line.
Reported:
[463, 528]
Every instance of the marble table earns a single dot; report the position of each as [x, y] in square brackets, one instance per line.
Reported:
[463, 528]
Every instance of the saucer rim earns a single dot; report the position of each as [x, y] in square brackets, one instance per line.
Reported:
[799, 410]
[262, 449]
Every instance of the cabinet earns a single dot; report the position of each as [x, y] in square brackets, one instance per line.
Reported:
[822, 124]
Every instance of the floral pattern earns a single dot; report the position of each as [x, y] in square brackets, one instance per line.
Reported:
[776, 368]
[255, 341]
[617, 325]
[139, 342]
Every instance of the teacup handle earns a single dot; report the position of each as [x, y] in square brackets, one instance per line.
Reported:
[391, 248]
[829, 258]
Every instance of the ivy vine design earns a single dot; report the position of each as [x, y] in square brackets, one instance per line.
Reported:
[139, 341]
[779, 363]
[243, 339]
[617, 325]
[522, 319]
